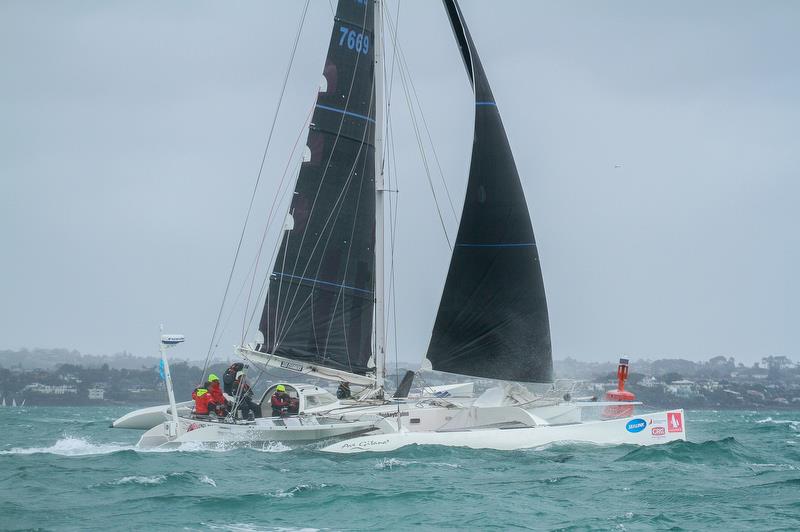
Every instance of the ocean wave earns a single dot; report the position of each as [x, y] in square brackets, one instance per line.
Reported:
[271, 447]
[220, 447]
[72, 446]
[391, 463]
[188, 478]
[725, 450]
[193, 447]
[794, 425]
[280, 494]
[248, 527]
[558, 480]
[775, 467]
[792, 482]
[147, 481]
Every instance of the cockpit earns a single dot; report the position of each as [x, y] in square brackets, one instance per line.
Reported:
[302, 398]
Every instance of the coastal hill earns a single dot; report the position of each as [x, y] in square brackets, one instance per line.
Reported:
[65, 377]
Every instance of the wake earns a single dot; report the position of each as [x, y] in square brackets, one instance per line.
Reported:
[76, 446]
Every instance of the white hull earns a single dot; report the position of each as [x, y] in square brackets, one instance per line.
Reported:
[147, 418]
[291, 429]
[646, 429]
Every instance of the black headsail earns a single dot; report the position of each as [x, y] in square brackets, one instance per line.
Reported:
[492, 319]
[319, 306]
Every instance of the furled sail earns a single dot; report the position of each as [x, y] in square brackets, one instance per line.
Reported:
[492, 320]
[319, 306]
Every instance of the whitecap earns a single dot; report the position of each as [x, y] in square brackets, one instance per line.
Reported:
[71, 446]
[156, 479]
[219, 447]
[780, 467]
[389, 463]
[795, 425]
[445, 464]
[191, 447]
[280, 494]
[273, 447]
[248, 527]
[208, 480]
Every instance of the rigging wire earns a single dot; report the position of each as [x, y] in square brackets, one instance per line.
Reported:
[286, 324]
[404, 75]
[404, 64]
[393, 214]
[253, 270]
[255, 186]
[272, 213]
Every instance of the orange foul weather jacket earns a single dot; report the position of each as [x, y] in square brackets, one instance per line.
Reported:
[216, 394]
[201, 398]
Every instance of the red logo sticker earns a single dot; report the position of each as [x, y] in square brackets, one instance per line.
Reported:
[658, 431]
[674, 422]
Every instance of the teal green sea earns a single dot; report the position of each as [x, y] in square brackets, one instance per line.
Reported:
[64, 469]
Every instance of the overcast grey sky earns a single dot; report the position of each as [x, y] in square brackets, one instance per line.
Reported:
[131, 134]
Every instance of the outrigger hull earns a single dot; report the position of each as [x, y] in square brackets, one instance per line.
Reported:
[646, 429]
[292, 429]
[149, 417]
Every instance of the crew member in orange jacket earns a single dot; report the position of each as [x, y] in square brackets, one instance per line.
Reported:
[201, 398]
[216, 395]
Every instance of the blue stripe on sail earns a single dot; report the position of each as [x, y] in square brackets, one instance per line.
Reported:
[326, 283]
[515, 245]
[486, 103]
[346, 113]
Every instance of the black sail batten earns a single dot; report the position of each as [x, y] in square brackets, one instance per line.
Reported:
[492, 320]
[320, 302]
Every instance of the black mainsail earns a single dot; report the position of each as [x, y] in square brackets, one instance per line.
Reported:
[320, 301]
[492, 320]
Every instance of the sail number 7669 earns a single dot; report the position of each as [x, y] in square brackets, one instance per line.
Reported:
[354, 40]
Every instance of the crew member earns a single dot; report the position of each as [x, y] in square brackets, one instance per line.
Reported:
[244, 396]
[280, 402]
[217, 397]
[201, 401]
[230, 376]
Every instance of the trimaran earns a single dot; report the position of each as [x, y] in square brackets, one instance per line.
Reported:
[324, 309]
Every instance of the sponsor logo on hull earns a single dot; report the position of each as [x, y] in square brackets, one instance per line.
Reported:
[636, 425]
[674, 422]
[658, 431]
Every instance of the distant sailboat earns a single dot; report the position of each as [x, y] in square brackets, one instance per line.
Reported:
[13, 403]
[4, 402]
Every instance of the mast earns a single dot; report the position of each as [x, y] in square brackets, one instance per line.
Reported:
[380, 324]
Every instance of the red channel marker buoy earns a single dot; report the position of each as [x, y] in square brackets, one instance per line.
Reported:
[620, 394]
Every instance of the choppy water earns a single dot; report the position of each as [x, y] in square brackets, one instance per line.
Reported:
[64, 469]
